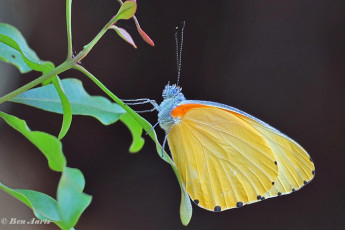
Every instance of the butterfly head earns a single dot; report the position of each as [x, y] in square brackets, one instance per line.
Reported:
[171, 91]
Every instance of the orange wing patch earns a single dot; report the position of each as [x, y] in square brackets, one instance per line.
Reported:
[181, 110]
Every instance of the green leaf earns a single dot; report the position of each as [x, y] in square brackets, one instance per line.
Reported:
[12, 56]
[70, 204]
[70, 197]
[82, 103]
[126, 11]
[15, 50]
[186, 209]
[124, 35]
[49, 145]
[13, 47]
[136, 131]
[66, 106]
[43, 206]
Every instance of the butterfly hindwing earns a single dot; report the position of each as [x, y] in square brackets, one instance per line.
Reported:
[295, 167]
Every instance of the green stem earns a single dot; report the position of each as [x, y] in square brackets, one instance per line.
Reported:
[103, 87]
[144, 124]
[69, 28]
[113, 96]
[61, 68]
[68, 64]
[88, 47]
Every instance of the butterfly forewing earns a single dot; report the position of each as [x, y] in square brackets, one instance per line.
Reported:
[224, 162]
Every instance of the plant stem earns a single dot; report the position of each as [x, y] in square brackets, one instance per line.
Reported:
[61, 68]
[88, 47]
[143, 123]
[69, 63]
[69, 28]
[110, 94]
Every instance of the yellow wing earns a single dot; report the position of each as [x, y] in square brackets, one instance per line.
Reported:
[222, 160]
[295, 166]
[226, 159]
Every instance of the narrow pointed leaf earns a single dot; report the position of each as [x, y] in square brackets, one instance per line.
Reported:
[49, 145]
[145, 37]
[126, 11]
[142, 33]
[136, 131]
[66, 107]
[124, 35]
[70, 197]
[82, 103]
[186, 209]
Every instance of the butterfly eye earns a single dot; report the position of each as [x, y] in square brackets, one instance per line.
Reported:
[173, 91]
[170, 91]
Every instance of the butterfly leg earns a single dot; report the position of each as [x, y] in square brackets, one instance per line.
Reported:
[142, 101]
[146, 111]
[165, 139]
[138, 101]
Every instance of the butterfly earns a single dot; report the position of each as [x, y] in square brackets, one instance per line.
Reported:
[227, 158]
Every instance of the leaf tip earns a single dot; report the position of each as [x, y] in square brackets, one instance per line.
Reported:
[145, 37]
[124, 35]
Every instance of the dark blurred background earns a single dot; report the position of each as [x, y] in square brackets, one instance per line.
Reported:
[281, 61]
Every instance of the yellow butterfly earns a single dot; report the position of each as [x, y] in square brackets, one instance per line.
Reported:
[227, 158]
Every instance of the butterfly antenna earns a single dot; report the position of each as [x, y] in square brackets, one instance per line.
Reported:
[179, 51]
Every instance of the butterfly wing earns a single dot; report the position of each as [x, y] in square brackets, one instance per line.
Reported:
[295, 166]
[223, 161]
[227, 158]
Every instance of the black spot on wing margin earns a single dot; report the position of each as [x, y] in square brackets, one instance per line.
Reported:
[217, 209]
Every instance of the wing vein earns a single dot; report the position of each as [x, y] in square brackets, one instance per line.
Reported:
[269, 129]
[244, 174]
[208, 169]
[197, 165]
[238, 139]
